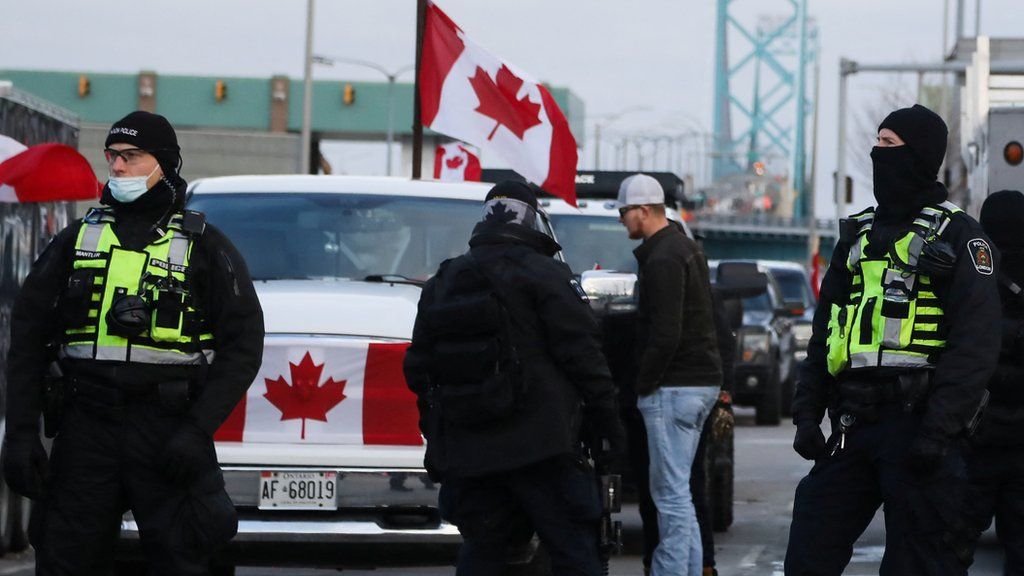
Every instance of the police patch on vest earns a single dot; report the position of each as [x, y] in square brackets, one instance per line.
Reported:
[578, 289]
[164, 266]
[981, 255]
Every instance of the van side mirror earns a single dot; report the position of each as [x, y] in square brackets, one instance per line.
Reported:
[740, 280]
[610, 292]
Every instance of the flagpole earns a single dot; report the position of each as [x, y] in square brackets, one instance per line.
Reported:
[417, 124]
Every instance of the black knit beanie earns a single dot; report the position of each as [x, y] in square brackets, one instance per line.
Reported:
[924, 132]
[515, 190]
[1002, 217]
[150, 132]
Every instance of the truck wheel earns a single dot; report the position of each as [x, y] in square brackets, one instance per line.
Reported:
[722, 486]
[769, 406]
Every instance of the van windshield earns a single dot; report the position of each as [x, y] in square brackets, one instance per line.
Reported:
[590, 242]
[298, 236]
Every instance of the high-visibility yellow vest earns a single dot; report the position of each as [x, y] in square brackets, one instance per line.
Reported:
[103, 271]
[893, 316]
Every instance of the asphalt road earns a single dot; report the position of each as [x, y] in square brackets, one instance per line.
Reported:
[767, 471]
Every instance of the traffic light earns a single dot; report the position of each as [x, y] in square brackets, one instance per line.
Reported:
[84, 86]
[1013, 153]
[348, 95]
[220, 90]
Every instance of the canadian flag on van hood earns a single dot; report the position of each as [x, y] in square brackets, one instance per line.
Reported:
[346, 392]
[469, 94]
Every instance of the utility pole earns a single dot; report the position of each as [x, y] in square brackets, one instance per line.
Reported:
[307, 95]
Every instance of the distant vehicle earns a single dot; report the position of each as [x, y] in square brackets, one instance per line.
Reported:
[595, 244]
[766, 347]
[799, 296]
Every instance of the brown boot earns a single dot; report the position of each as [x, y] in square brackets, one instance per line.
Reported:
[710, 571]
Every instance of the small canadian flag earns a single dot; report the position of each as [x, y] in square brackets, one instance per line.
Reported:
[470, 94]
[454, 162]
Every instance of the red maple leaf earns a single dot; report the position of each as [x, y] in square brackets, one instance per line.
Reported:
[305, 398]
[454, 162]
[498, 101]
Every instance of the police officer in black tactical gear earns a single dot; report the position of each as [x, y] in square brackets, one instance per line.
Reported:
[901, 351]
[148, 314]
[995, 457]
[506, 362]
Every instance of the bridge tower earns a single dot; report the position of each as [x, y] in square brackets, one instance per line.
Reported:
[760, 70]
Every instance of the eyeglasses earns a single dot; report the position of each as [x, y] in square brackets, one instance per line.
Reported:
[129, 155]
[623, 210]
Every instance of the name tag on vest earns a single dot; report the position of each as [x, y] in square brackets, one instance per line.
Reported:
[87, 254]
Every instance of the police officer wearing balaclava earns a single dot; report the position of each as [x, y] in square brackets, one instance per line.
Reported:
[902, 347]
[506, 364]
[995, 457]
[149, 313]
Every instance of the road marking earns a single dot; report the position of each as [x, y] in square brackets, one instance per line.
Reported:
[750, 560]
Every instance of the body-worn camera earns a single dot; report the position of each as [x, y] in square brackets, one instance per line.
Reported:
[129, 314]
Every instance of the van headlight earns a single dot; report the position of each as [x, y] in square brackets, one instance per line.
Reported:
[754, 345]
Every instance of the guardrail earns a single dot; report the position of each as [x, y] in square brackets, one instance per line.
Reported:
[760, 224]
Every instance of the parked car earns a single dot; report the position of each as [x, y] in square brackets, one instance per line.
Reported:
[800, 300]
[765, 355]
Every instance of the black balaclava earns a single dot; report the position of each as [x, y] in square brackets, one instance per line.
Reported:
[511, 202]
[1002, 218]
[905, 176]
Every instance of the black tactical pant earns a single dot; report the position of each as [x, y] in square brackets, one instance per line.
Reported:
[996, 489]
[106, 459]
[835, 503]
[640, 466]
[559, 498]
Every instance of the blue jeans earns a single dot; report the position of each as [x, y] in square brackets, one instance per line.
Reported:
[674, 418]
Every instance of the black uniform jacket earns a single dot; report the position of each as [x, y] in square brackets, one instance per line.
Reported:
[1003, 420]
[224, 296]
[559, 343]
[678, 342]
[970, 303]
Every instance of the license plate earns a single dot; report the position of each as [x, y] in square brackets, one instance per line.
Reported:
[298, 491]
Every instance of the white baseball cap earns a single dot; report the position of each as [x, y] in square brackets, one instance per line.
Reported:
[640, 189]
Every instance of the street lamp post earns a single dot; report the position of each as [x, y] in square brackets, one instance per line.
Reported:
[307, 93]
[391, 76]
[608, 119]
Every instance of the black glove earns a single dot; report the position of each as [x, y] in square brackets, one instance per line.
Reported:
[25, 465]
[926, 455]
[610, 452]
[188, 454]
[809, 441]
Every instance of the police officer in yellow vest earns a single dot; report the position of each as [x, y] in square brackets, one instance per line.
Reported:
[905, 339]
[150, 316]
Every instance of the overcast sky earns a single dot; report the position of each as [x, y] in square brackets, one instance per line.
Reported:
[614, 54]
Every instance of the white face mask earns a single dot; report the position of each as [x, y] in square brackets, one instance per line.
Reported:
[127, 190]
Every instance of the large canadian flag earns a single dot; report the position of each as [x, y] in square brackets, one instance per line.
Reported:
[469, 94]
[347, 392]
[453, 162]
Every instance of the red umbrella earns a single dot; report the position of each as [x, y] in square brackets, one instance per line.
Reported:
[47, 173]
